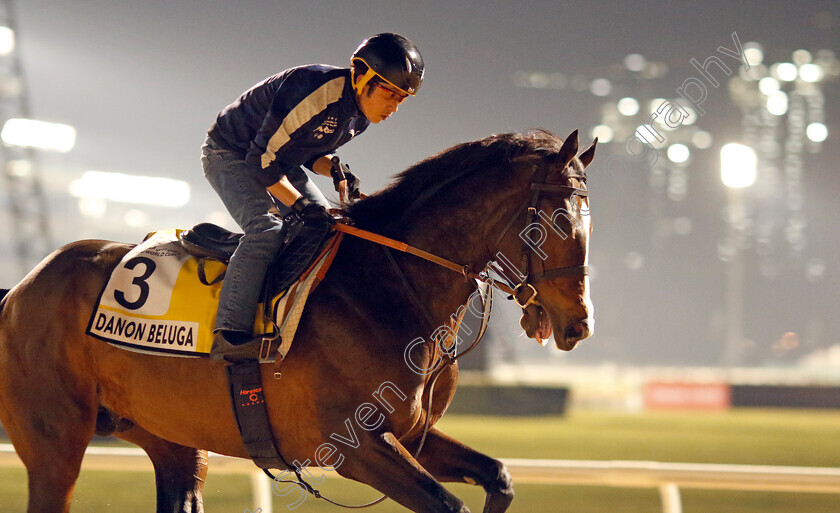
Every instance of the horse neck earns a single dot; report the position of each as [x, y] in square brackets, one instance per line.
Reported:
[463, 232]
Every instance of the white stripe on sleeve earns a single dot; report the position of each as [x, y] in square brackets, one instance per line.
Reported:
[316, 102]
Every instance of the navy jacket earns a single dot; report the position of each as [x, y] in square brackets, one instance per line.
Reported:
[290, 119]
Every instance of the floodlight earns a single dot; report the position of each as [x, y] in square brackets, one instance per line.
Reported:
[737, 166]
[42, 135]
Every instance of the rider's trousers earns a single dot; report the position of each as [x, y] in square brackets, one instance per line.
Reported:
[248, 203]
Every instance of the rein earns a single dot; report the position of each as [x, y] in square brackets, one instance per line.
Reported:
[405, 248]
[530, 207]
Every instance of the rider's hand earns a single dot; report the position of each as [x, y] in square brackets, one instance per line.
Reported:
[338, 171]
[309, 212]
[344, 181]
[353, 184]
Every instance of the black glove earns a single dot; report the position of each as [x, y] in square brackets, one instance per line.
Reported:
[341, 171]
[353, 184]
[309, 212]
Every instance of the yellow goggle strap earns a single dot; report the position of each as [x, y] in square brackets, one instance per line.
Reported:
[370, 73]
[363, 80]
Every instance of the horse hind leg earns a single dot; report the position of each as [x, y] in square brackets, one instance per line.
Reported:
[52, 470]
[50, 427]
[451, 461]
[179, 471]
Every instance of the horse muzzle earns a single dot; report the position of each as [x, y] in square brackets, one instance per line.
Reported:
[538, 325]
[573, 334]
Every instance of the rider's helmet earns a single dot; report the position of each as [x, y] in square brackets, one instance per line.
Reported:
[390, 58]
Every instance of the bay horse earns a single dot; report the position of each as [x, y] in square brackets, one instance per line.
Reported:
[347, 398]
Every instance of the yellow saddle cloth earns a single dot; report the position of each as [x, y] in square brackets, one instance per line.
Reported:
[155, 301]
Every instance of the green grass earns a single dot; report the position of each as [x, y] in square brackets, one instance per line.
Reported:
[749, 437]
[755, 437]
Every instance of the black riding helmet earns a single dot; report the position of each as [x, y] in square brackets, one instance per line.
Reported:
[393, 59]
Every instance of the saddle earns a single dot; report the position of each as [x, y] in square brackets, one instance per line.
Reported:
[301, 245]
[207, 240]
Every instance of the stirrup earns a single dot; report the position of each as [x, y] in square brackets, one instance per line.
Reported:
[257, 348]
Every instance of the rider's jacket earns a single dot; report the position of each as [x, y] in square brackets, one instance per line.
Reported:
[291, 119]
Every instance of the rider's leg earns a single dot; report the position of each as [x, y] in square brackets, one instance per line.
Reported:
[249, 204]
[301, 181]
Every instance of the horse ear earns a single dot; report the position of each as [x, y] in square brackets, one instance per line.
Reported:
[569, 149]
[587, 156]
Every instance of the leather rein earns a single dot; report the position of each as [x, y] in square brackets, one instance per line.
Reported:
[531, 207]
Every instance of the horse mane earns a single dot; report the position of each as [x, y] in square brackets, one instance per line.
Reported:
[419, 183]
[3, 293]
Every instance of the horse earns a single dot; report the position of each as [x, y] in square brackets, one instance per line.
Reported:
[347, 399]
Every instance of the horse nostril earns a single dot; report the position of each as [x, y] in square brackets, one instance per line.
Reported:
[577, 331]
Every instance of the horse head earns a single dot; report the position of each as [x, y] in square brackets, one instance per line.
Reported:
[527, 192]
[551, 251]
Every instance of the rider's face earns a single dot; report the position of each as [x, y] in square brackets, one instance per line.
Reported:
[378, 101]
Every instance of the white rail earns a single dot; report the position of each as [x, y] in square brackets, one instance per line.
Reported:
[667, 477]
[670, 477]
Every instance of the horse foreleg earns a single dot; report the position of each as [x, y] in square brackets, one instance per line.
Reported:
[179, 471]
[383, 463]
[451, 461]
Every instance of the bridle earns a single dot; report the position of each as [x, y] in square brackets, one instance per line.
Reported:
[531, 208]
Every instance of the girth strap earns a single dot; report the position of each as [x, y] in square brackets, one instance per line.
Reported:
[248, 397]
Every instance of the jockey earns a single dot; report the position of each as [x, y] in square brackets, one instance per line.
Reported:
[255, 152]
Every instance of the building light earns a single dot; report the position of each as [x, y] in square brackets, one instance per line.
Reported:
[7, 40]
[122, 188]
[41, 135]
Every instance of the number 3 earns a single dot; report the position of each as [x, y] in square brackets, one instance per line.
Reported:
[140, 281]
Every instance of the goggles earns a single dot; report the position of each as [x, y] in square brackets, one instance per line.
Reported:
[397, 97]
